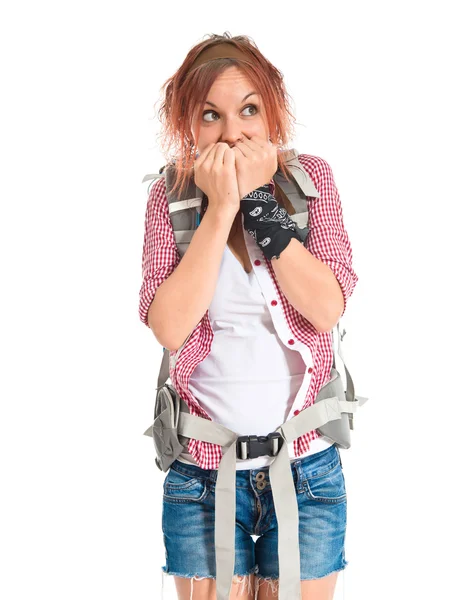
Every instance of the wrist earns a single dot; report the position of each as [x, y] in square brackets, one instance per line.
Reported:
[221, 217]
[259, 192]
[273, 241]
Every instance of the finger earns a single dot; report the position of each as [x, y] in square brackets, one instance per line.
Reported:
[238, 154]
[221, 148]
[254, 142]
[243, 148]
[205, 153]
[229, 157]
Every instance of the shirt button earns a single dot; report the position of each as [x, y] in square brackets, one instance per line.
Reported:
[296, 412]
[291, 342]
[274, 302]
[257, 262]
[309, 370]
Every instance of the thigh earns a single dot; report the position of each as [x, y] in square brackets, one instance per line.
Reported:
[322, 509]
[322, 506]
[188, 526]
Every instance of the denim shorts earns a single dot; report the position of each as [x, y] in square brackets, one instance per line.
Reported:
[188, 519]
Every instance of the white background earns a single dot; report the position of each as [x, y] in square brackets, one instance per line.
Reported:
[381, 91]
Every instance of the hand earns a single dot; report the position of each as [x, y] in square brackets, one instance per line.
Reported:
[256, 161]
[215, 175]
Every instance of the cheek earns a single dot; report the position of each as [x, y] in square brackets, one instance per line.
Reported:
[263, 120]
[261, 131]
[203, 143]
[208, 137]
[260, 128]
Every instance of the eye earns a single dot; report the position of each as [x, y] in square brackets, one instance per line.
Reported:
[213, 112]
[209, 112]
[252, 106]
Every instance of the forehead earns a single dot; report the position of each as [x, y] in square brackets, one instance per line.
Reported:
[231, 80]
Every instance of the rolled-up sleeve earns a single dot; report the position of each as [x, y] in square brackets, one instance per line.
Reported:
[328, 239]
[160, 254]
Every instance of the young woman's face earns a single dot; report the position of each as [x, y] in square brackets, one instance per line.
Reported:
[230, 111]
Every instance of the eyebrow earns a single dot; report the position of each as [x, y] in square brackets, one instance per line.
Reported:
[244, 98]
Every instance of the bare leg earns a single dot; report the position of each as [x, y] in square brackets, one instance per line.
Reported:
[196, 588]
[313, 589]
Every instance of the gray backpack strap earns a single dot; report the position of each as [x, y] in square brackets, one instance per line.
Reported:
[337, 353]
[298, 189]
[164, 375]
[167, 416]
[153, 177]
[184, 209]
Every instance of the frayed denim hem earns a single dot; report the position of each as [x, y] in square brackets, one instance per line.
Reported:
[243, 579]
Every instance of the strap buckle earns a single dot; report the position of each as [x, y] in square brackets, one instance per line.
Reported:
[253, 446]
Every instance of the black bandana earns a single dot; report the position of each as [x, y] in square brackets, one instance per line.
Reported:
[267, 222]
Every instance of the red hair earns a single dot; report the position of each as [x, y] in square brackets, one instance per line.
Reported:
[185, 92]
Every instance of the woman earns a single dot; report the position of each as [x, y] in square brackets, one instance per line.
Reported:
[259, 306]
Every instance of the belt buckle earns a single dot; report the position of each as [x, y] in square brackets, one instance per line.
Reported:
[253, 446]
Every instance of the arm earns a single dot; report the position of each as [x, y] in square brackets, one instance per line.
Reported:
[318, 278]
[309, 286]
[176, 293]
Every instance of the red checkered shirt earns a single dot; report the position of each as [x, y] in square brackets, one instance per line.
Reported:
[327, 240]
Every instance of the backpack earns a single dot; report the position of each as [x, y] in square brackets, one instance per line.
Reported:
[184, 210]
[331, 414]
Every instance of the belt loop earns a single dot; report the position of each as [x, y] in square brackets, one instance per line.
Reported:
[299, 473]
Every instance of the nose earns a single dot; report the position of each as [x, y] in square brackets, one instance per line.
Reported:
[230, 141]
[231, 133]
